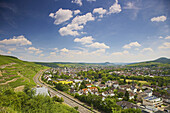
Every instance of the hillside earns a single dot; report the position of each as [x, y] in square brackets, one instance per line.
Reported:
[15, 72]
[160, 62]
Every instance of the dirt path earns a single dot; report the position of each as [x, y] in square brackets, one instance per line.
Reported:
[19, 88]
[0, 73]
[3, 66]
[9, 81]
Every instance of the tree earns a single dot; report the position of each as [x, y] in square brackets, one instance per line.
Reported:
[126, 96]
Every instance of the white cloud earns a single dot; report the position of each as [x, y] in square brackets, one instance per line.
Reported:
[56, 49]
[128, 46]
[64, 50]
[166, 45]
[79, 2]
[84, 40]
[19, 40]
[160, 37]
[115, 8]
[37, 51]
[12, 49]
[77, 24]
[98, 45]
[121, 53]
[41, 55]
[168, 37]
[76, 12]
[99, 51]
[100, 11]
[53, 53]
[158, 19]
[130, 5]
[70, 29]
[91, 0]
[147, 49]
[83, 19]
[61, 16]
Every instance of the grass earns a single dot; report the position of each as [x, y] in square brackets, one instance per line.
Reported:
[24, 71]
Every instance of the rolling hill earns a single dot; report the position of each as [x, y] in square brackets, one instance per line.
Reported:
[17, 73]
[160, 62]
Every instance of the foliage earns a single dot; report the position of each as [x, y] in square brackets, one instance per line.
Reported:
[62, 87]
[22, 102]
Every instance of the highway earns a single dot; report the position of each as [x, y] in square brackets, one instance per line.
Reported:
[69, 100]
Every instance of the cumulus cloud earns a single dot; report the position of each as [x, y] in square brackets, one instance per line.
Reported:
[98, 45]
[17, 40]
[84, 40]
[77, 24]
[41, 55]
[128, 46]
[160, 37]
[64, 50]
[168, 37]
[100, 11]
[121, 53]
[147, 49]
[158, 19]
[37, 51]
[130, 5]
[12, 49]
[91, 0]
[165, 45]
[115, 8]
[53, 53]
[78, 2]
[76, 12]
[61, 16]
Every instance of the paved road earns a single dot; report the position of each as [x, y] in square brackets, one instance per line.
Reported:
[67, 98]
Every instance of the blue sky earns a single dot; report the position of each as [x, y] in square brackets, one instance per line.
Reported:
[85, 30]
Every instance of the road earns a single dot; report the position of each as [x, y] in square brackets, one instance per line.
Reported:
[69, 100]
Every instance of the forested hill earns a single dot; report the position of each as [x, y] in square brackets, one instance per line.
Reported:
[17, 73]
[160, 62]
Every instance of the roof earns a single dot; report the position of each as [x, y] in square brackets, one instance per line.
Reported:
[126, 104]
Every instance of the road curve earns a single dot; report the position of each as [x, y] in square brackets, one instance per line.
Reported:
[69, 100]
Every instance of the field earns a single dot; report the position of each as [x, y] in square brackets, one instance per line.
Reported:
[142, 82]
[15, 72]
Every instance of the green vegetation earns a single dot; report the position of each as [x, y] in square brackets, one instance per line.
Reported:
[161, 62]
[26, 102]
[16, 72]
[108, 105]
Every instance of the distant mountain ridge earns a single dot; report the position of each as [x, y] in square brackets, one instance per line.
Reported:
[163, 61]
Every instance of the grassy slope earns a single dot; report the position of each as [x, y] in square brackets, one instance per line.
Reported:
[22, 70]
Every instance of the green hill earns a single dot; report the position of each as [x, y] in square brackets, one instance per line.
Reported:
[160, 62]
[15, 72]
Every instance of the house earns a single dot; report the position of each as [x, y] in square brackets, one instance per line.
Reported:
[102, 86]
[125, 87]
[108, 83]
[73, 91]
[133, 89]
[108, 93]
[152, 101]
[83, 91]
[131, 95]
[126, 105]
[148, 92]
[115, 84]
[78, 80]
[89, 85]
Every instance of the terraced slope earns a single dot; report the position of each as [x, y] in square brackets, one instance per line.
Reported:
[17, 73]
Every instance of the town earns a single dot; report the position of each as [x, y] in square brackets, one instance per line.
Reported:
[117, 87]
